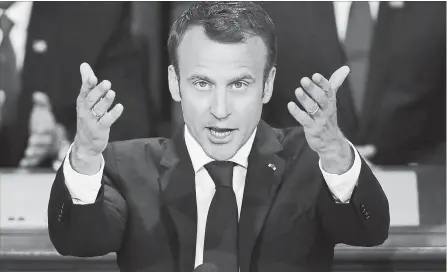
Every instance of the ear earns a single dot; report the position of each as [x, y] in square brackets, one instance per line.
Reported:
[268, 87]
[174, 87]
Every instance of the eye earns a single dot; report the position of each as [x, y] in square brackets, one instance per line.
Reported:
[239, 86]
[202, 85]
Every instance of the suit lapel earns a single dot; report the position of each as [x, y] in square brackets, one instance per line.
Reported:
[264, 175]
[177, 183]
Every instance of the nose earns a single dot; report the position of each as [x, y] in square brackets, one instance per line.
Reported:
[219, 105]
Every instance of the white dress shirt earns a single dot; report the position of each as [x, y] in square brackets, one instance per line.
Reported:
[84, 189]
[19, 13]
[342, 9]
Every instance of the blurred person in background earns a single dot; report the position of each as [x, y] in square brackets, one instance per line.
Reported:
[393, 108]
[42, 45]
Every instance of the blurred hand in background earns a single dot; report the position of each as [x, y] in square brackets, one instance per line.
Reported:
[367, 152]
[46, 136]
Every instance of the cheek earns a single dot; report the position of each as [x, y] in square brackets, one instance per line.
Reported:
[245, 104]
[194, 106]
[247, 110]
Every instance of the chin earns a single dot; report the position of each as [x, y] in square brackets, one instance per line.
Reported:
[220, 153]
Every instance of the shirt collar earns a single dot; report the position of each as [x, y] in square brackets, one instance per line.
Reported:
[19, 13]
[199, 158]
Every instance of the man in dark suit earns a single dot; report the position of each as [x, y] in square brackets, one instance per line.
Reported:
[401, 113]
[49, 41]
[227, 189]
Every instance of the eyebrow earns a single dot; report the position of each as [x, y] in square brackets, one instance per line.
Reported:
[247, 77]
[202, 77]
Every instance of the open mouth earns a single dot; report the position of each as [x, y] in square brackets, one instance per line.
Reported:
[220, 133]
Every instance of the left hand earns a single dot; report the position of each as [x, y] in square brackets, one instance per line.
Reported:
[44, 132]
[319, 120]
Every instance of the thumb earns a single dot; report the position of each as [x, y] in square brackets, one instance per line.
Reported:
[41, 99]
[2, 98]
[338, 77]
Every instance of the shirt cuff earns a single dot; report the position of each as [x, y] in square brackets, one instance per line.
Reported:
[342, 186]
[83, 188]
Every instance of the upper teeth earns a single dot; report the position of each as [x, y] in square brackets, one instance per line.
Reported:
[220, 134]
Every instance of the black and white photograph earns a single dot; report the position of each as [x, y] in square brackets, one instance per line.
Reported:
[223, 136]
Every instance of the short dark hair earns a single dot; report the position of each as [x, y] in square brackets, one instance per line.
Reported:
[226, 22]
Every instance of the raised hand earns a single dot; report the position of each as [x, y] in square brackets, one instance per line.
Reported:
[93, 121]
[319, 120]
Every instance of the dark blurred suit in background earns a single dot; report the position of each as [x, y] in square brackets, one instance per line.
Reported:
[62, 35]
[403, 113]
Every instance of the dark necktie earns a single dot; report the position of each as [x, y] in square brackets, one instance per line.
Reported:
[221, 235]
[357, 49]
[9, 76]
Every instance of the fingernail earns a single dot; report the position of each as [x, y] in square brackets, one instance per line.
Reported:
[291, 105]
[299, 92]
[317, 77]
[106, 84]
[110, 94]
[305, 81]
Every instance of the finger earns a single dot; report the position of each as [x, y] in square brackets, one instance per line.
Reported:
[41, 99]
[104, 104]
[301, 116]
[338, 77]
[29, 162]
[315, 92]
[324, 84]
[308, 103]
[89, 80]
[40, 140]
[97, 93]
[2, 98]
[35, 151]
[41, 127]
[109, 118]
[26, 162]
[33, 156]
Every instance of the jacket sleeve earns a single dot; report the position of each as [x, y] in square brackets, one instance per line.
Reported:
[364, 221]
[88, 230]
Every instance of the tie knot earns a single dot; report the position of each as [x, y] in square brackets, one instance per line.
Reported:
[6, 24]
[221, 172]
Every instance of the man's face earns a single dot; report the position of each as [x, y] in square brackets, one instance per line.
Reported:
[221, 90]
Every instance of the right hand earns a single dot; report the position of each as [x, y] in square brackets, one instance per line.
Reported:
[92, 134]
[2, 101]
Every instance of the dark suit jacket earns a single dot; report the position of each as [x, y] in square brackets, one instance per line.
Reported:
[404, 108]
[76, 32]
[146, 209]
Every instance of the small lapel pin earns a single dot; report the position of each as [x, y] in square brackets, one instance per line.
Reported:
[271, 165]
[396, 4]
[40, 46]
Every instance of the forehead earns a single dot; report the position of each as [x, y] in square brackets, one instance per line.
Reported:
[197, 51]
